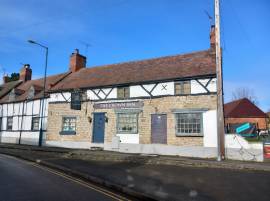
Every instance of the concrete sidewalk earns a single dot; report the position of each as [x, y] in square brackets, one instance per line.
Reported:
[156, 177]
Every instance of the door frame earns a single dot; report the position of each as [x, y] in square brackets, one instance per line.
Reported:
[93, 122]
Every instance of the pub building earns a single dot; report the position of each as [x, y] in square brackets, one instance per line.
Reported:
[159, 105]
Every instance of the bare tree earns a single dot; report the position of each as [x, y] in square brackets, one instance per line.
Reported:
[245, 92]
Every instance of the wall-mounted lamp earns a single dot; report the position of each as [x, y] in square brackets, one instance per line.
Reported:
[106, 119]
[90, 119]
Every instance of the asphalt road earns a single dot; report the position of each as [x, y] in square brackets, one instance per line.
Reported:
[24, 181]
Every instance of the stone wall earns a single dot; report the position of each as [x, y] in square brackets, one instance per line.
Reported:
[165, 105]
[151, 106]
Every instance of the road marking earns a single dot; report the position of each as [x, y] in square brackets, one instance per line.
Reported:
[76, 180]
[83, 183]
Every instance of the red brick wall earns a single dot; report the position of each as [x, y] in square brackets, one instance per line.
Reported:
[77, 61]
[261, 122]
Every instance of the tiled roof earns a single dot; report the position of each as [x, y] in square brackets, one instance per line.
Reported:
[37, 84]
[242, 108]
[7, 87]
[195, 64]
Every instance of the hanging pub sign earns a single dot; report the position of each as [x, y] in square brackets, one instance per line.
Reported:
[119, 105]
[75, 103]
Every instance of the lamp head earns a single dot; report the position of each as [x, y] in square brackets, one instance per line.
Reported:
[31, 41]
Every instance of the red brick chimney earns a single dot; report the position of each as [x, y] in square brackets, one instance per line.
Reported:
[5, 78]
[77, 61]
[26, 73]
[213, 36]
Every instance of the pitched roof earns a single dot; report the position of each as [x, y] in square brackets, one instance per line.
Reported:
[24, 87]
[200, 63]
[242, 108]
[7, 87]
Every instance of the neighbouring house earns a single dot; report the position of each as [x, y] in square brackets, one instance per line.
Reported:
[244, 111]
[145, 104]
[20, 107]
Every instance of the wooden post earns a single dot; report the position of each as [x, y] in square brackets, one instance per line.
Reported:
[220, 114]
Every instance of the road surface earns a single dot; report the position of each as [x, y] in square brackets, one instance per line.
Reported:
[26, 181]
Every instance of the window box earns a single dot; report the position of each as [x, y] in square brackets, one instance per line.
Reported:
[67, 132]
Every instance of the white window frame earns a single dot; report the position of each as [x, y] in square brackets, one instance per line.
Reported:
[127, 132]
[63, 123]
[185, 123]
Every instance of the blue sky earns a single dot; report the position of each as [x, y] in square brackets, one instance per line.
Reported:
[124, 30]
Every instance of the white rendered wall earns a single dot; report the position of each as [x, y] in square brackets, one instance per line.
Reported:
[196, 88]
[210, 128]
[137, 91]
[166, 88]
[60, 97]
[129, 138]
[161, 89]
[16, 111]
[109, 92]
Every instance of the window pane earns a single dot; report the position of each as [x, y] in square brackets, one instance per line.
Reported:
[9, 123]
[177, 88]
[182, 87]
[75, 103]
[35, 123]
[127, 123]
[188, 123]
[123, 92]
[187, 87]
[69, 124]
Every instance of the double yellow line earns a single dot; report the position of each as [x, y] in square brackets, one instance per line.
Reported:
[78, 181]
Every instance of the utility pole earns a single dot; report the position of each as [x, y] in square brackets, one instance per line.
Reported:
[220, 113]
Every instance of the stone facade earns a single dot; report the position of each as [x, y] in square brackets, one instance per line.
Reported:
[163, 105]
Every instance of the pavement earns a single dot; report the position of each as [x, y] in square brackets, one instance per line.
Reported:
[156, 177]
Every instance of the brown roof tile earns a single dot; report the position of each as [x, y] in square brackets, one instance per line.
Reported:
[200, 63]
[7, 87]
[243, 108]
[37, 84]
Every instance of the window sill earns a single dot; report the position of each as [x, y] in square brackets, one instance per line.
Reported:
[67, 132]
[127, 133]
[189, 135]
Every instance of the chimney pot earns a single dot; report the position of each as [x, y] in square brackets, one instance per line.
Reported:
[26, 73]
[5, 78]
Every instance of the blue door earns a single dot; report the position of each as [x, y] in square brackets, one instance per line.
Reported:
[98, 127]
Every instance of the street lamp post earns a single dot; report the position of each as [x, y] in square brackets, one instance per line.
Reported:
[44, 88]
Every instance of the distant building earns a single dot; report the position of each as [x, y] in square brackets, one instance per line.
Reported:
[244, 111]
[268, 114]
[20, 107]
